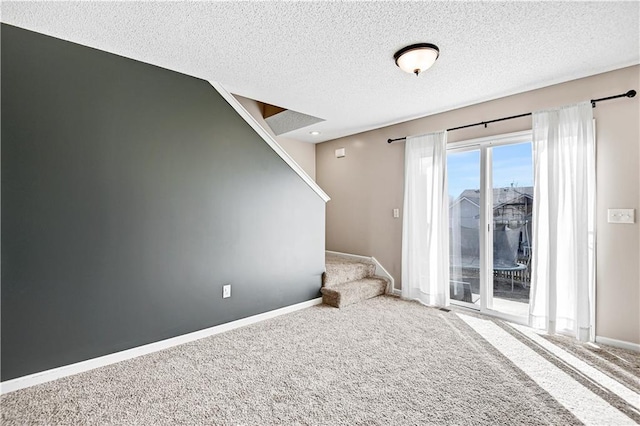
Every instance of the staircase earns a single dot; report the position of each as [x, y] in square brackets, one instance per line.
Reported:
[347, 281]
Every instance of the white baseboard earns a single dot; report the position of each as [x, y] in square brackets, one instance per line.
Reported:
[349, 255]
[90, 364]
[618, 343]
[381, 272]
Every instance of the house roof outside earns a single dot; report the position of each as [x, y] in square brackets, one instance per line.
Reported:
[501, 196]
[474, 201]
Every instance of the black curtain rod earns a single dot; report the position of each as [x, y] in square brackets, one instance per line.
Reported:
[629, 94]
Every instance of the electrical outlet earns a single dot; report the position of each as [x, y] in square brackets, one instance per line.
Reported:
[226, 291]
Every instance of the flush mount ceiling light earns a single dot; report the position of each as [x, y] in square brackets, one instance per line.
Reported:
[314, 133]
[417, 57]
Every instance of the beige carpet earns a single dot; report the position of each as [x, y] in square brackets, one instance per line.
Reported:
[347, 281]
[381, 362]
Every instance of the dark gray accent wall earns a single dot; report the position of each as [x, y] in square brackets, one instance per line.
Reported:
[130, 195]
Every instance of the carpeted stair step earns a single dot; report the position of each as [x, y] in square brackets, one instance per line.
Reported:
[344, 294]
[339, 270]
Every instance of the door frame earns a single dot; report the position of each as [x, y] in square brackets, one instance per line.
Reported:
[486, 212]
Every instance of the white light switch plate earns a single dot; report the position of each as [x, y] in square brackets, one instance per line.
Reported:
[396, 213]
[621, 216]
[226, 291]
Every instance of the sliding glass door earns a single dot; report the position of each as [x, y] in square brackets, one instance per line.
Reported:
[463, 169]
[490, 207]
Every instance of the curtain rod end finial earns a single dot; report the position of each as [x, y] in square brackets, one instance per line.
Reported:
[631, 93]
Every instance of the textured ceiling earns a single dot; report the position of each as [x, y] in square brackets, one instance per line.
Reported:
[288, 120]
[335, 60]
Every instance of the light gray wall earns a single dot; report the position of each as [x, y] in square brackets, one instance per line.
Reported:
[130, 195]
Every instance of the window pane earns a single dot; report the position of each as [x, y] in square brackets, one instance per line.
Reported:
[512, 194]
[463, 170]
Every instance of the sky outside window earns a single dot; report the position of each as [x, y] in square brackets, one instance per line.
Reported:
[512, 164]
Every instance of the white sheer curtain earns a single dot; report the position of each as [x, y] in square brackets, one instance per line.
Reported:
[563, 276]
[425, 228]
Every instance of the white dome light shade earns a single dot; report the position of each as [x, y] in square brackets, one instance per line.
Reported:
[417, 58]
